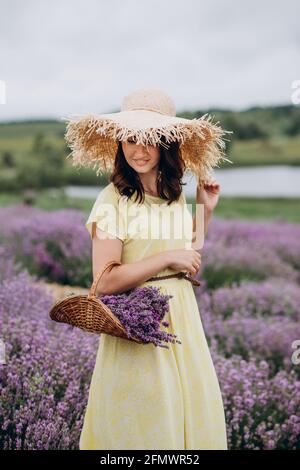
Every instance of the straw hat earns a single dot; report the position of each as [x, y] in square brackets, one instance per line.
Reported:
[145, 116]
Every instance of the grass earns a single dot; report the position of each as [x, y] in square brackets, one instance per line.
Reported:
[281, 209]
[44, 200]
[278, 150]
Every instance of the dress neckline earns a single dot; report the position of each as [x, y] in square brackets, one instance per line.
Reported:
[150, 195]
[160, 198]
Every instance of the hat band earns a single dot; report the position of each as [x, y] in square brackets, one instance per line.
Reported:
[147, 109]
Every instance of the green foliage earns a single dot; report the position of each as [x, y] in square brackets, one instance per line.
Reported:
[33, 154]
[257, 208]
[227, 276]
[7, 160]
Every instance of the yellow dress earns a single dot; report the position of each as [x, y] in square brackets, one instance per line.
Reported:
[146, 397]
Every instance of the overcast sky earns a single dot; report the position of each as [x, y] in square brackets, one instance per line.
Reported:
[72, 57]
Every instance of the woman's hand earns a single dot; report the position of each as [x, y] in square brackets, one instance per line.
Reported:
[184, 260]
[208, 194]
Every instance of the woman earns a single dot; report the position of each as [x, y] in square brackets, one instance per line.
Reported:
[141, 396]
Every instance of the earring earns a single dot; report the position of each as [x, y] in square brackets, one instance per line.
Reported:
[159, 176]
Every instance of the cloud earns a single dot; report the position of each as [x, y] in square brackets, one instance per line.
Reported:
[64, 57]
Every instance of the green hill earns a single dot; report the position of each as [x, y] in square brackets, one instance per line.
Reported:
[33, 153]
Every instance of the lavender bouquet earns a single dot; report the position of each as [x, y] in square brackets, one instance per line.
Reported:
[141, 310]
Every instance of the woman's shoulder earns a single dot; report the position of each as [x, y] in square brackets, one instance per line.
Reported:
[104, 213]
[108, 193]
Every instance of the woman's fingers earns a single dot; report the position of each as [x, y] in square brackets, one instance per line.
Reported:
[213, 186]
[194, 267]
[198, 258]
[197, 266]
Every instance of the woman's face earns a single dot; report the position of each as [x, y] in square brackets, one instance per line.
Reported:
[141, 158]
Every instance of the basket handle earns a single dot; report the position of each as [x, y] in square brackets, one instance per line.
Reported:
[92, 291]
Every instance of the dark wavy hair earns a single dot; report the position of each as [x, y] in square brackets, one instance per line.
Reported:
[169, 186]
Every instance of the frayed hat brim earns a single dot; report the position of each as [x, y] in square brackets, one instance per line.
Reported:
[94, 139]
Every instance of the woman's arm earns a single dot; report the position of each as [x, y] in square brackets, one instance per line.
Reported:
[118, 279]
[208, 195]
[207, 217]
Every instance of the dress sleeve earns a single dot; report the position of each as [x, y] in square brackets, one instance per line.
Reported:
[107, 214]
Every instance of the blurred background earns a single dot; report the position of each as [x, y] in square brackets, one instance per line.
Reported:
[237, 62]
[242, 68]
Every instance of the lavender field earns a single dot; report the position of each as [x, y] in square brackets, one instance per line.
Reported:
[249, 302]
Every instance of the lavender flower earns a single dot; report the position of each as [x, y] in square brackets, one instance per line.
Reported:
[44, 383]
[249, 304]
[262, 411]
[141, 311]
[53, 245]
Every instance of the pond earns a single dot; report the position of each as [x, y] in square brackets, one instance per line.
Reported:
[258, 181]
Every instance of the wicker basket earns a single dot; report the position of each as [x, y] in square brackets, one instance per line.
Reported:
[89, 313]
